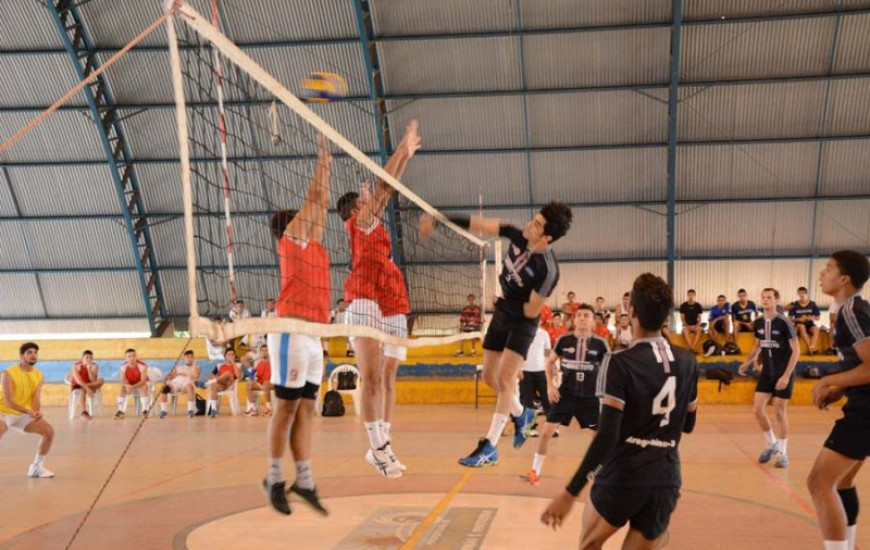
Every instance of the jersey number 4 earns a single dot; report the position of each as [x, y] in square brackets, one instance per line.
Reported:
[666, 400]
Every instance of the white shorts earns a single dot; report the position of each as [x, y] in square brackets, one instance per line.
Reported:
[178, 383]
[295, 359]
[367, 313]
[16, 422]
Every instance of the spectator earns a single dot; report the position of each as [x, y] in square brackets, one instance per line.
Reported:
[569, 308]
[86, 377]
[690, 315]
[546, 315]
[622, 307]
[470, 320]
[181, 379]
[238, 311]
[533, 379]
[134, 380]
[259, 378]
[601, 308]
[743, 313]
[623, 332]
[221, 379]
[269, 312]
[804, 313]
[601, 328]
[555, 329]
[720, 319]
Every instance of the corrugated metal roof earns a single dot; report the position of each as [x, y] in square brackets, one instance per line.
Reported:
[141, 77]
[600, 176]
[853, 44]
[843, 224]
[54, 190]
[608, 280]
[565, 13]
[7, 208]
[614, 232]
[711, 278]
[290, 65]
[85, 243]
[597, 118]
[19, 295]
[791, 109]
[24, 24]
[846, 167]
[761, 228]
[423, 17]
[63, 136]
[467, 64]
[597, 58]
[122, 23]
[36, 80]
[161, 187]
[92, 294]
[13, 252]
[850, 107]
[748, 170]
[756, 49]
[264, 20]
[703, 9]
[467, 123]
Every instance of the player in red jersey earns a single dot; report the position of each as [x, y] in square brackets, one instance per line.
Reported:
[85, 377]
[378, 299]
[296, 360]
[221, 379]
[261, 380]
[134, 379]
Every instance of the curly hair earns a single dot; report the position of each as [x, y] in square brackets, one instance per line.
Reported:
[652, 300]
[558, 217]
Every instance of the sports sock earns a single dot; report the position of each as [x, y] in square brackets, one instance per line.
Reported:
[499, 421]
[304, 478]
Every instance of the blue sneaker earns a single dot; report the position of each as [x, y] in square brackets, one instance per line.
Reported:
[767, 454]
[162, 415]
[212, 413]
[523, 427]
[484, 455]
[190, 414]
[782, 461]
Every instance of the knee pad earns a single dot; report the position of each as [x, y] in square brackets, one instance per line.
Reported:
[849, 497]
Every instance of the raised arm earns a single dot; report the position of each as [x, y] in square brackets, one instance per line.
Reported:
[309, 222]
[373, 206]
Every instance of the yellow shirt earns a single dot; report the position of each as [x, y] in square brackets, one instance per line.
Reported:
[24, 386]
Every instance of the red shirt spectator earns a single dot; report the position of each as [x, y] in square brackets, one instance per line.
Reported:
[471, 318]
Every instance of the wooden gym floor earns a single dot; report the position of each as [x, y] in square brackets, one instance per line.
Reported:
[194, 484]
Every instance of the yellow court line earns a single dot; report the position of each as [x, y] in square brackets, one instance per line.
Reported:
[436, 511]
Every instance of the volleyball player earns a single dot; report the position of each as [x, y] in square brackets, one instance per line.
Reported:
[777, 343]
[649, 398]
[20, 407]
[297, 359]
[528, 278]
[85, 377]
[378, 299]
[832, 478]
[134, 380]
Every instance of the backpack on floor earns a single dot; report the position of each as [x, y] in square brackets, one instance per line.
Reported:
[200, 406]
[724, 376]
[347, 380]
[731, 349]
[710, 348]
[332, 404]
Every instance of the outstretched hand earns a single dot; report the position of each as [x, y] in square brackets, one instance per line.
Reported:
[412, 140]
[427, 226]
[558, 509]
[324, 156]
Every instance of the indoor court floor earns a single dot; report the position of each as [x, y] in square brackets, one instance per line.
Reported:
[193, 484]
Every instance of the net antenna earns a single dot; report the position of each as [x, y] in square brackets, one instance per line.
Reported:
[258, 122]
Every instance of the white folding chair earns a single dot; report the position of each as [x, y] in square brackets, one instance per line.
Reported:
[94, 402]
[232, 394]
[332, 384]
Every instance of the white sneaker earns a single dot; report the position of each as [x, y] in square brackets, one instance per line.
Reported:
[38, 471]
[392, 455]
[383, 464]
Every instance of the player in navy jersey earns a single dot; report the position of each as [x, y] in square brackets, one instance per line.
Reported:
[777, 344]
[649, 399]
[743, 312]
[528, 278]
[832, 478]
[804, 313]
[579, 354]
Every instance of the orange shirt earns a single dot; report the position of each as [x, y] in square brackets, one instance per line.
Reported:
[373, 275]
[132, 375]
[263, 371]
[227, 368]
[305, 283]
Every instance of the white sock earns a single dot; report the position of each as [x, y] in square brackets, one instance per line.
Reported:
[499, 421]
[304, 478]
[516, 406]
[249, 407]
[143, 401]
[163, 406]
[376, 437]
[191, 406]
[770, 438]
[122, 404]
[851, 533]
[38, 460]
[386, 427]
[276, 472]
[212, 405]
[782, 445]
[383, 431]
[538, 463]
[836, 545]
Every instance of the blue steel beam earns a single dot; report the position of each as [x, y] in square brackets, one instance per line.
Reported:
[673, 104]
[79, 46]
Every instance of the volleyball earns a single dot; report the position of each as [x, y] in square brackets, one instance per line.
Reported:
[322, 87]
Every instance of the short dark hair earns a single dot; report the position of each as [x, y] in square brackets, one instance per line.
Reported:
[345, 205]
[27, 346]
[800, 288]
[226, 351]
[264, 346]
[652, 300]
[188, 352]
[600, 298]
[742, 290]
[854, 265]
[721, 296]
[128, 350]
[691, 291]
[87, 352]
[558, 218]
[469, 296]
[585, 306]
[770, 289]
[279, 222]
[627, 295]
[572, 292]
[599, 316]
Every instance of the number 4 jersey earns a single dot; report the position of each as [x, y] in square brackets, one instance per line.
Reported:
[656, 384]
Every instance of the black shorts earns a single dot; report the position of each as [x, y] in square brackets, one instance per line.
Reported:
[851, 434]
[584, 409]
[740, 326]
[716, 323]
[512, 332]
[308, 391]
[647, 510]
[534, 386]
[807, 324]
[767, 384]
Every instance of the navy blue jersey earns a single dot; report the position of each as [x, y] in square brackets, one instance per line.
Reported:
[743, 312]
[579, 361]
[775, 336]
[799, 310]
[524, 271]
[852, 326]
[656, 383]
[716, 311]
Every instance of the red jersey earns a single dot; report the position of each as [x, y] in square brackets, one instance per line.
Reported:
[83, 372]
[227, 368]
[305, 287]
[546, 315]
[470, 319]
[132, 374]
[263, 371]
[373, 275]
[603, 331]
[570, 308]
[555, 333]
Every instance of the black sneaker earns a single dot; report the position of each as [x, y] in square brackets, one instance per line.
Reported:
[309, 496]
[277, 497]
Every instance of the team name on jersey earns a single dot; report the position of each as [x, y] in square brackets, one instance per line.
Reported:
[577, 365]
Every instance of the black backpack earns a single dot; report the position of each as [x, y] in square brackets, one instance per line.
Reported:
[724, 376]
[710, 347]
[731, 349]
[332, 404]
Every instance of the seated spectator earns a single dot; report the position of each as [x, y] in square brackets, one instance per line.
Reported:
[259, 379]
[623, 332]
[470, 320]
[86, 377]
[804, 313]
[238, 311]
[601, 308]
[221, 379]
[134, 380]
[601, 327]
[546, 315]
[181, 379]
[569, 308]
[555, 329]
[622, 307]
[690, 315]
[743, 312]
[720, 319]
[269, 312]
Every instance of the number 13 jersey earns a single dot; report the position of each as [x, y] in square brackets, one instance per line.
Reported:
[656, 384]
